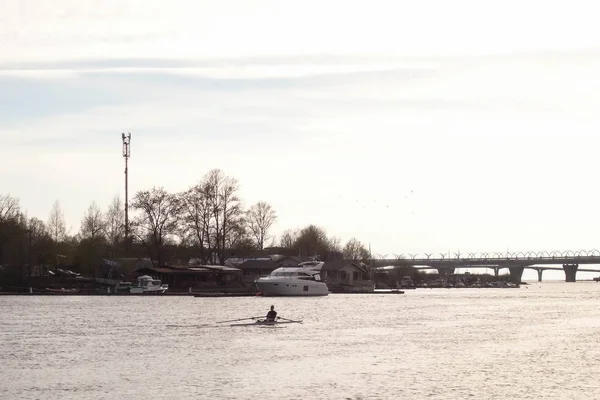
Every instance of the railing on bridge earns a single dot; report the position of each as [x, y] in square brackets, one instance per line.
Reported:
[560, 256]
[516, 262]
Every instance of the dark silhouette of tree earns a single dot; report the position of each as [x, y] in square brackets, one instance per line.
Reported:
[312, 241]
[260, 218]
[288, 238]
[355, 250]
[9, 221]
[37, 229]
[114, 227]
[93, 223]
[57, 229]
[196, 218]
[92, 234]
[212, 217]
[41, 242]
[156, 221]
[226, 210]
[239, 241]
[207, 222]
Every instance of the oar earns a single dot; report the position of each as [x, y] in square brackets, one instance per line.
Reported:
[235, 320]
[291, 320]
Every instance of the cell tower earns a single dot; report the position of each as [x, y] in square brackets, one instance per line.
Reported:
[126, 154]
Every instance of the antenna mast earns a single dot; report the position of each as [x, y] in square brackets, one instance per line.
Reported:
[126, 155]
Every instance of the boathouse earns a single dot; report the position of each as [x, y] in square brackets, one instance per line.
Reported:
[183, 277]
[347, 276]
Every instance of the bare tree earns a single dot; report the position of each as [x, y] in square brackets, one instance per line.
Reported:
[37, 229]
[92, 232]
[93, 224]
[335, 244]
[226, 209]
[197, 216]
[273, 242]
[40, 241]
[312, 241]
[355, 250]
[288, 239]
[260, 218]
[9, 208]
[157, 220]
[114, 227]
[57, 229]
[239, 240]
[9, 219]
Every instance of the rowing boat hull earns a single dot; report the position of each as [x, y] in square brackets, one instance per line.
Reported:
[264, 323]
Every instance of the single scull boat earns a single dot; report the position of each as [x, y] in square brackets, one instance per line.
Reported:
[268, 323]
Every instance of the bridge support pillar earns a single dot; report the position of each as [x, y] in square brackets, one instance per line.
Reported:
[570, 272]
[516, 273]
[445, 271]
[496, 271]
[540, 271]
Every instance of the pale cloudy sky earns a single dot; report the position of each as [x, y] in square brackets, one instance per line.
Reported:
[416, 126]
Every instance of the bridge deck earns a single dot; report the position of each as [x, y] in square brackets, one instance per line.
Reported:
[486, 262]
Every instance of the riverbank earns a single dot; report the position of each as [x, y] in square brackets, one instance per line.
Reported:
[212, 292]
[194, 294]
[204, 294]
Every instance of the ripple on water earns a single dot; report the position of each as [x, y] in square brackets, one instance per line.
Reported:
[453, 344]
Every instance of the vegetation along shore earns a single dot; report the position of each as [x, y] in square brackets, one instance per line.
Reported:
[208, 222]
[206, 225]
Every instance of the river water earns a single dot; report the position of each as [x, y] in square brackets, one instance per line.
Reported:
[541, 341]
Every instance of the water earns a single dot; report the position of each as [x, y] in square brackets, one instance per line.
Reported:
[536, 342]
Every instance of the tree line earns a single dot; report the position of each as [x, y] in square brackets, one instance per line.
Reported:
[207, 222]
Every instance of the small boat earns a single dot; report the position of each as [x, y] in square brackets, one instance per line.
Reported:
[267, 323]
[62, 290]
[148, 285]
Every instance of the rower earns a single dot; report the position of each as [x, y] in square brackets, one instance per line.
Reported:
[271, 315]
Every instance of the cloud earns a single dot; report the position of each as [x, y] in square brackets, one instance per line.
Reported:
[325, 101]
[35, 30]
[483, 142]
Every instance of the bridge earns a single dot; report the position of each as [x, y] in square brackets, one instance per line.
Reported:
[515, 262]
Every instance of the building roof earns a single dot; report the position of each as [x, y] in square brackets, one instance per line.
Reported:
[236, 261]
[258, 264]
[300, 259]
[156, 270]
[176, 267]
[143, 263]
[198, 269]
[222, 268]
[187, 270]
[339, 264]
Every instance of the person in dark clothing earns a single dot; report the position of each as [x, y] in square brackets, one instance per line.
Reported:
[271, 315]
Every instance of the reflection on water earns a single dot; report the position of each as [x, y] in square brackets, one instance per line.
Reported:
[539, 341]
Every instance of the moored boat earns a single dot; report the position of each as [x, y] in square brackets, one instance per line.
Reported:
[301, 280]
[62, 291]
[148, 285]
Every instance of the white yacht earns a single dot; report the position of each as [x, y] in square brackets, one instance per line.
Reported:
[303, 279]
[147, 285]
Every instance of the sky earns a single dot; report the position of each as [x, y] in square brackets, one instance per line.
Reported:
[416, 127]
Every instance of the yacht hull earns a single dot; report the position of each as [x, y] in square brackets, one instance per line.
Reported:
[269, 287]
[140, 290]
